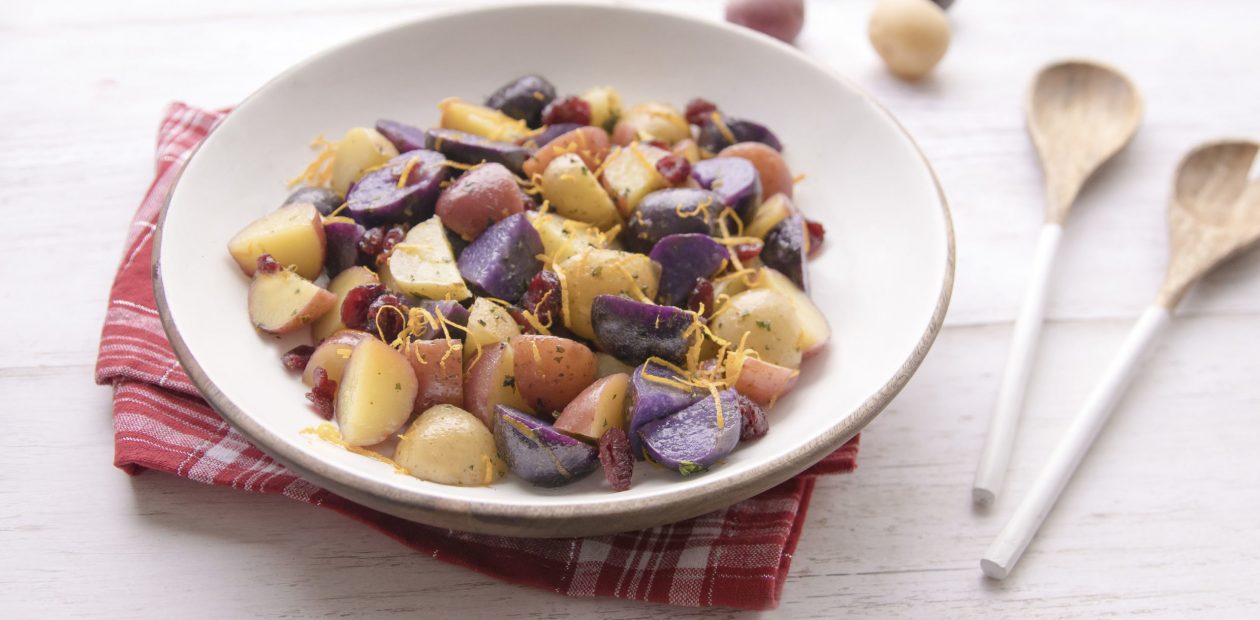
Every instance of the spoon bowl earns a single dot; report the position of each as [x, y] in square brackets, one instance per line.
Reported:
[1080, 114]
[1214, 213]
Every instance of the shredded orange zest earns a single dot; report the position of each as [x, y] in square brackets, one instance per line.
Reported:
[329, 433]
[406, 171]
[798, 178]
[717, 403]
[319, 172]
[721, 127]
[489, 465]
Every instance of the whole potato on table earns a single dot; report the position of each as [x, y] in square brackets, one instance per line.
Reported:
[910, 35]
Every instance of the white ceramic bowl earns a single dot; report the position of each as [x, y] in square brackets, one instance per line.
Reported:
[883, 279]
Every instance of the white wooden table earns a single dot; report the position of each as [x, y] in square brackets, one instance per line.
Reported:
[1162, 518]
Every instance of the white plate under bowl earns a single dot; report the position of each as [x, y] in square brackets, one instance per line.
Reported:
[883, 278]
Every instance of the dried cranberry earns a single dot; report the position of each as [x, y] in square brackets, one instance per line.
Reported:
[748, 251]
[391, 238]
[698, 110]
[323, 393]
[386, 316]
[568, 110]
[370, 242]
[701, 294]
[518, 315]
[754, 424]
[543, 297]
[297, 357]
[618, 462]
[660, 144]
[354, 308]
[816, 235]
[675, 168]
[267, 264]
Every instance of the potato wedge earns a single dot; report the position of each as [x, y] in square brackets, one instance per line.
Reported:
[769, 321]
[332, 355]
[563, 237]
[605, 106]
[448, 445]
[439, 368]
[775, 209]
[602, 272]
[630, 174]
[480, 121]
[330, 323]
[488, 324]
[490, 380]
[361, 148]
[574, 192]
[376, 394]
[589, 143]
[651, 121]
[551, 371]
[284, 301]
[424, 263]
[815, 331]
[292, 234]
[760, 381]
[599, 407]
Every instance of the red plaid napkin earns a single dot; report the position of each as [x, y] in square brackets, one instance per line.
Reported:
[735, 557]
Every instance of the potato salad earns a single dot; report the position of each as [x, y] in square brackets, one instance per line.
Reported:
[542, 286]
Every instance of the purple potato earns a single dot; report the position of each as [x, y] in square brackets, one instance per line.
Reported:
[325, 200]
[523, 98]
[650, 400]
[451, 310]
[343, 236]
[540, 454]
[734, 179]
[472, 149]
[501, 261]
[376, 199]
[671, 212]
[695, 438]
[633, 331]
[785, 250]
[684, 259]
[713, 139]
[549, 133]
[404, 137]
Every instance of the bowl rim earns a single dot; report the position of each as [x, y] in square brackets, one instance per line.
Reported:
[567, 520]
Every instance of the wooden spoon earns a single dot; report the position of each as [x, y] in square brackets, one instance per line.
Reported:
[1080, 114]
[1214, 215]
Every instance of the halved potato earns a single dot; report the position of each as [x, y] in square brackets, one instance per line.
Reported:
[815, 331]
[630, 174]
[574, 192]
[551, 371]
[773, 210]
[332, 355]
[605, 106]
[481, 121]
[608, 365]
[292, 234]
[284, 301]
[602, 272]
[439, 368]
[599, 407]
[488, 324]
[361, 148]
[651, 121]
[770, 321]
[376, 393]
[352, 277]
[760, 381]
[448, 445]
[563, 237]
[490, 380]
[424, 263]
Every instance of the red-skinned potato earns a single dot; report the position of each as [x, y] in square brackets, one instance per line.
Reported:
[551, 371]
[760, 381]
[489, 380]
[284, 301]
[651, 121]
[482, 196]
[332, 355]
[292, 234]
[599, 407]
[590, 143]
[439, 368]
[776, 177]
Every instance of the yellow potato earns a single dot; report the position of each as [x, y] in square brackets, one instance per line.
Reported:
[551, 371]
[651, 121]
[480, 120]
[599, 407]
[774, 210]
[563, 237]
[376, 394]
[770, 322]
[488, 324]
[424, 264]
[361, 148]
[605, 105]
[292, 234]
[330, 323]
[815, 331]
[602, 272]
[283, 301]
[760, 381]
[448, 445]
[489, 380]
[573, 191]
[630, 174]
[332, 355]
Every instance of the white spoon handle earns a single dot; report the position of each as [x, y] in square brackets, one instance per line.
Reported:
[1010, 401]
[1006, 549]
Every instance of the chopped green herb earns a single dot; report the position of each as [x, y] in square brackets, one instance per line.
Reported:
[763, 324]
[687, 468]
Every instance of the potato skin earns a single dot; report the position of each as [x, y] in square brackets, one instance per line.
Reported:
[482, 196]
[589, 143]
[448, 445]
[760, 381]
[490, 380]
[776, 177]
[551, 371]
[439, 369]
[597, 272]
[599, 407]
